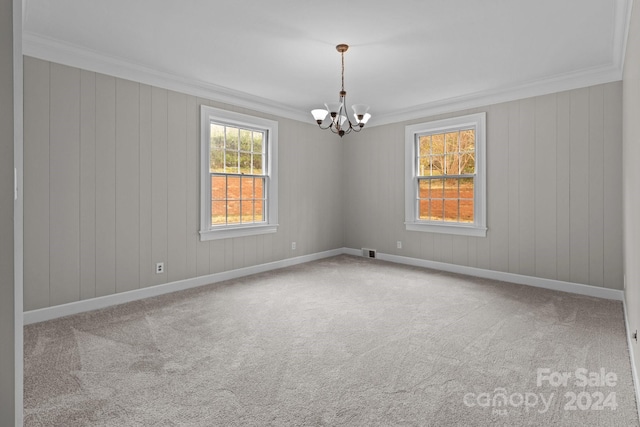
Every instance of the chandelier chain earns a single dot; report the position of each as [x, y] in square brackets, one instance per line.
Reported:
[342, 54]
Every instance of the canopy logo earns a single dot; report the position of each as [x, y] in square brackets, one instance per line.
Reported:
[597, 400]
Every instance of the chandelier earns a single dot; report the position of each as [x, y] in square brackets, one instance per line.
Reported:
[339, 118]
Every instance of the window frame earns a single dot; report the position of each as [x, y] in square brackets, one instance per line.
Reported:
[478, 228]
[270, 128]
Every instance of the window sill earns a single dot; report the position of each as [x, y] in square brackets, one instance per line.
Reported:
[458, 229]
[240, 231]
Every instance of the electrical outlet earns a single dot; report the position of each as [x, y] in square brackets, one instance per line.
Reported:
[293, 246]
[159, 267]
[399, 244]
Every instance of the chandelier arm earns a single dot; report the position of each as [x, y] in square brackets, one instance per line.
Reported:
[327, 127]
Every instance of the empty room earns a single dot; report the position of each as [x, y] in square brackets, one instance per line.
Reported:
[225, 213]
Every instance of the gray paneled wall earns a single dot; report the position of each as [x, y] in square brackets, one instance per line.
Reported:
[631, 150]
[111, 188]
[554, 190]
[7, 309]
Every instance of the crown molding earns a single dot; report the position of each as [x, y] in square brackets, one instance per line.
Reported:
[59, 52]
[575, 80]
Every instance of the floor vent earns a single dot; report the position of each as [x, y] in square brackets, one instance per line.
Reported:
[368, 253]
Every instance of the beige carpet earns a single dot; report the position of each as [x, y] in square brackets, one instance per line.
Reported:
[344, 341]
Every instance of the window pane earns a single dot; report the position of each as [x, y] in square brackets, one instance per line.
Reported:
[233, 212]
[451, 189]
[424, 166]
[218, 212]
[423, 209]
[423, 189]
[247, 187]
[437, 165]
[247, 210]
[259, 190]
[217, 137]
[436, 210]
[245, 140]
[466, 188]
[233, 187]
[231, 161]
[258, 137]
[425, 145]
[466, 210]
[232, 138]
[257, 164]
[468, 163]
[451, 210]
[216, 161]
[452, 142]
[259, 211]
[467, 140]
[437, 144]
[453, 165]
[245, 163]
[218, 187]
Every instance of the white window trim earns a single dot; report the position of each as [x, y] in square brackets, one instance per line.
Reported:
[208, 232]
[479, 227]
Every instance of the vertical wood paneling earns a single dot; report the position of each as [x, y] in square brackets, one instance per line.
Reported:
[217, 252]
[498, 186]
[228, 253]
[563, 187]
[427, 250]
[192, 180]
[514, 187]
[596, 186]
[612, 160]
[105, 185]
[460, 250]
[159, 183]
[64, 185]
[545, 187]
[36, 184]
[177, 186]
[127, 185]
[267, 243]
[527, 174]
[147, 266]
[285, 192]
[446, 248]
[237, 253]
[87, 185]
[250, 252]
[579, 198]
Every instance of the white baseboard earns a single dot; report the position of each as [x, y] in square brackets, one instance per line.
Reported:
[634, 371]
[49, 313]
[76, 307]
[557, 285]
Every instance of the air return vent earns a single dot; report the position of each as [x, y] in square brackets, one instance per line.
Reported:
[368, 253]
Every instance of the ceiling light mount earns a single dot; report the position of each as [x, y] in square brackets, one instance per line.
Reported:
[339, 122]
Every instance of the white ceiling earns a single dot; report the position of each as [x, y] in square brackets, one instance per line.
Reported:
[408, 58]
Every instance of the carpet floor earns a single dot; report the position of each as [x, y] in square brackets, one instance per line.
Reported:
[344, 341]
